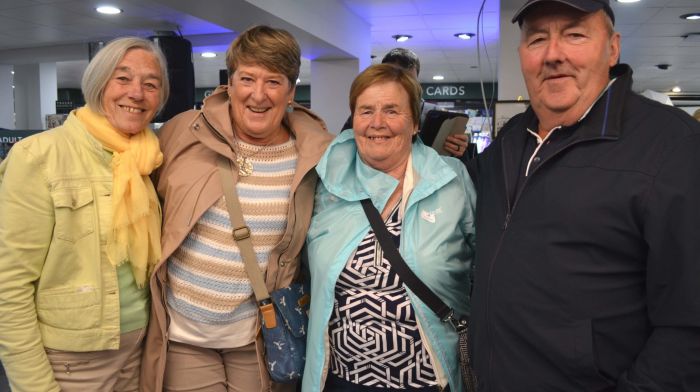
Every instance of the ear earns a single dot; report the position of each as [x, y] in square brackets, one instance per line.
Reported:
[614, 49]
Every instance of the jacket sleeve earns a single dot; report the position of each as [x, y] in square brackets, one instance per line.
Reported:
[469, 221]
[26, 227]
[670, 360]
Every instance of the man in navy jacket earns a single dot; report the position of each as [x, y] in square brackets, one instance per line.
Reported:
[588, 223]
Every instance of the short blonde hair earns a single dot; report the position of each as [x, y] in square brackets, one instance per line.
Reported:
[380, 73]
[273, 49]
[102, 66]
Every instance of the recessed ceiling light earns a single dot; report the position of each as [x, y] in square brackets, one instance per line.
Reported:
[108, 10]
[401, 37]
[464, 35]
[208, 55]
[676, 89]
[693, 16]
[627, 1]
[438, 77]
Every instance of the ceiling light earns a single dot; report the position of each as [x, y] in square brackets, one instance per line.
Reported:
[693, 16]
[298, 80]
[627, 1]
[438, 77]
[108, 10]
[208, 55]
[464, 35]
[676, 89]
[401, 37]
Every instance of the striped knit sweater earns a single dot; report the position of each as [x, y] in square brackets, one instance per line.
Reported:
[208, 283]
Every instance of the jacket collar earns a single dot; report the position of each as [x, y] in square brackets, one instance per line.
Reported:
[81, 136]
[602, 122]
[308, 129]
[346, 176]
[604, 118]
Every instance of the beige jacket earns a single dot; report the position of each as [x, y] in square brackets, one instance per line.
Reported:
[188, 184]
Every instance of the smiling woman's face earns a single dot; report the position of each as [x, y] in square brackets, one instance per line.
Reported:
[132, 95]
[384, 127]
[259, 99]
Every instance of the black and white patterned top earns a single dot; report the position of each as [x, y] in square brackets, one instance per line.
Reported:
[373, 331]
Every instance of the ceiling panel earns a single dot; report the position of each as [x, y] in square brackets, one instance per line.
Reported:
[651, 32]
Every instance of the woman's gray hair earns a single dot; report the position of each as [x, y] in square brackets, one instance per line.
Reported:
[101, 67]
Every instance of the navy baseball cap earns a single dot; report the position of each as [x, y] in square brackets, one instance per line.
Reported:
[587, 6]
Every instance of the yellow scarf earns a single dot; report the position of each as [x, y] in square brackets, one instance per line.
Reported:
[136, 215]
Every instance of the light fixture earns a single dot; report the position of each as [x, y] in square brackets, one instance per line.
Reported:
[663, 66]
[298, 80]
[108, 10]
[208, 55]
[628, 1]
[401, 37]
[465, 35]
[438, 77]
[693, 16]
[676, 89]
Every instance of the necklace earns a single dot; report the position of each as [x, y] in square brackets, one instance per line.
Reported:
[245, 167]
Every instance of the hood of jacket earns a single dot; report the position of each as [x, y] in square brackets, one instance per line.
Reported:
[346, 176]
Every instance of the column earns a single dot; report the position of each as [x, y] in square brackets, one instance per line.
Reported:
[330, 88]
[7, 99]
[511, 84]
[36, 91]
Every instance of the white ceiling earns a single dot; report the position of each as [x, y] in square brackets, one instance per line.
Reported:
[652, 33]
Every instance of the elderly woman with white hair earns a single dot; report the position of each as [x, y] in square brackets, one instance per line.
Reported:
[80, 232]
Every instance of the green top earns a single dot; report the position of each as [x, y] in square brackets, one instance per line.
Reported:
[133, 301]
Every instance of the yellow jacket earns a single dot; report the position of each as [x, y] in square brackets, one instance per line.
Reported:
[57, 287]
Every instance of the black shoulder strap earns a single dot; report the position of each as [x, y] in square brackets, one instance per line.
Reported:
[397, 262]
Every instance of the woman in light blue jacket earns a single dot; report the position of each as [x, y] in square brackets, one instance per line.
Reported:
[367, 331]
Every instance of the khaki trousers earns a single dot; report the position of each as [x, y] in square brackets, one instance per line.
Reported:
[190, 368]
[104, 371]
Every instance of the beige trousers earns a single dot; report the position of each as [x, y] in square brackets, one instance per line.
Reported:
[104, 371]
[191, 368]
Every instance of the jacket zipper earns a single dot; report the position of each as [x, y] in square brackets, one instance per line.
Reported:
[509, 214]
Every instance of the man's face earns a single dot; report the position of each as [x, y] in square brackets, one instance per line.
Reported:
[565, 56]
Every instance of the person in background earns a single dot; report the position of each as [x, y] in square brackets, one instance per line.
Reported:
[367, 332]
[80, 232]
[407, 59]
[588, 254]
[205, 330]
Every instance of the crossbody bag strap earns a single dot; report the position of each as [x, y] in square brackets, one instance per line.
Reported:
[443, 311]
[241, 233]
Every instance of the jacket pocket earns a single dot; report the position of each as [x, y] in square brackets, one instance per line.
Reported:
[69, 308]
[73, 208]
[587, 371]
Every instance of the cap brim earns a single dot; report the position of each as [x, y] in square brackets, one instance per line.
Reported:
[585, 6]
